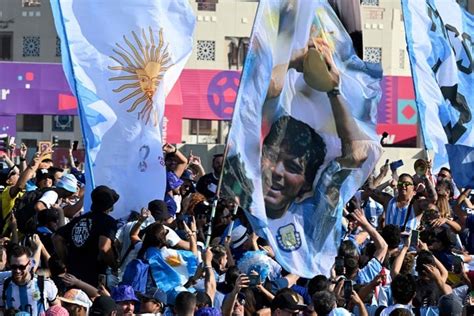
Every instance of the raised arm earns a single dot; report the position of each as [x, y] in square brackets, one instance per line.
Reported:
[462, 216]
[182, 161]
[380, 244]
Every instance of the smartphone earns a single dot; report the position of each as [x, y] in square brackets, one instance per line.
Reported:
[457, 265]
[188, 219]
[254, 279]
[414, 234]
[347, 290]
[339, 265]
[102, 280]
[396, 164]
[11, 141]
[74, 145]
[404, 238]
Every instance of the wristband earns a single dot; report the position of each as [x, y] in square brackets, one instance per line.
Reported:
[334, 92]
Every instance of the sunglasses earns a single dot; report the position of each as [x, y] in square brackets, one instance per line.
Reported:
[19, 266]
[293, 313]
[402, 184]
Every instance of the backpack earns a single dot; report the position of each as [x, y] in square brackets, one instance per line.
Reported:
[25, 212]
[6, 294]
[137, 274]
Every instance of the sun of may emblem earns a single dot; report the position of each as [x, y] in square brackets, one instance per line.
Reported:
[146, 64]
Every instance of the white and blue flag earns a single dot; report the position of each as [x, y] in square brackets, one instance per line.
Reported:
[296, 154]
[121, 58]
[440, 42]
[461, 160]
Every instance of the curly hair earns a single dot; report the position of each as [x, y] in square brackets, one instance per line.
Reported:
[300, 140]
[196, 198]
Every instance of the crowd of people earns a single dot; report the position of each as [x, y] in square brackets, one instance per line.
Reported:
[405, 248]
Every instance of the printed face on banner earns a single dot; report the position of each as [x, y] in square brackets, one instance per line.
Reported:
[294, 195]
[147, 64]
[292, 153]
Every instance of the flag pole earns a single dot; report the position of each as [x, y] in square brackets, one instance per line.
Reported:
[226, 148]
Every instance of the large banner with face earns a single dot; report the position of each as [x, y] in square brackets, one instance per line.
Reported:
[121, 58]
[297, 153]
[440, 37]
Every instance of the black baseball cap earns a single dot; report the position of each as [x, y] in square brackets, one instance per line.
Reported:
[103, 305]
[288, 300]
[159, 210]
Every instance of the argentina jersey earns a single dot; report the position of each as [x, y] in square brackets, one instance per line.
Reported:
[398, 216]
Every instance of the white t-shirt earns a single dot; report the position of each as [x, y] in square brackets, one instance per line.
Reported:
[19, 296]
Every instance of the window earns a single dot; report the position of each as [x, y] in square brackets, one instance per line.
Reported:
[206, 50]
[373, 54]
[31, 3]
[64, 143]
[401, 59]
[6, 46]
[31, 46]
[62, 123]
[32, 123]
[58, 46]
[207, 5]
[200, 127]
[238, 48]
[370, 2]
[30, 143]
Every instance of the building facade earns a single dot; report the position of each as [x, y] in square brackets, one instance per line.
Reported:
[28, 35]
[223, 28]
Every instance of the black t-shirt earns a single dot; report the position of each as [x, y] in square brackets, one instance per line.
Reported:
[207, 185]
[427, 293]
[82, 237]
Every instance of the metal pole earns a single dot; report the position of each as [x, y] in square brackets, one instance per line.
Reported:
[209, 228]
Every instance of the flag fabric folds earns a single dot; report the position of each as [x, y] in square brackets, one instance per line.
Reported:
[171, 268]
[440, 46]
[121, 58]
[296, 154]
[461, 158]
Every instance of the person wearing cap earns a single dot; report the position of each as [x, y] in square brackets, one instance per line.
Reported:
[76, 302]
[125, 298]
[240, 241]
[104, 306]
[207, 184]
[285, 303]
[153, 302]
[85, 244]
[65, 187]
[16, 184]
[57, 310]
[130, 235]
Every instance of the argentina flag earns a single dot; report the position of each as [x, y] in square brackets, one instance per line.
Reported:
[121, 58]
[439, 36]
[299, 148]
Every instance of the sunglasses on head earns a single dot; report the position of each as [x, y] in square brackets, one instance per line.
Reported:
[402, 184]
[19, 266]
